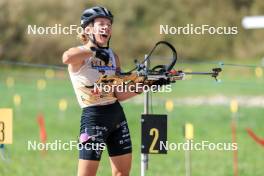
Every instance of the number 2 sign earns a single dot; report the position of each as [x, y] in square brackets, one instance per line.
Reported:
[153, 132]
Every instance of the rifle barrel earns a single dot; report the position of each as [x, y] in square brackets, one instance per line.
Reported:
[199, 73]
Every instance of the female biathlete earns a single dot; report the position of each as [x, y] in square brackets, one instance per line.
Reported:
[103, 120]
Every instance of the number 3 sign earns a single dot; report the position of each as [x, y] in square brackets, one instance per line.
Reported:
[153, 132]
[6, 126]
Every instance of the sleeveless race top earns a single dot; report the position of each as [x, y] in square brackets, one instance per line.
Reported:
[83, 81]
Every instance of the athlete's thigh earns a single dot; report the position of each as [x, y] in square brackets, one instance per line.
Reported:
[87, 167]
[121, 164]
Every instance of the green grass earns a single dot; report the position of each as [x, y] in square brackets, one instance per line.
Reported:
[211, 123]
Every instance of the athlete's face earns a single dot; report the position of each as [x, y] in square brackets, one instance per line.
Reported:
[102, 30]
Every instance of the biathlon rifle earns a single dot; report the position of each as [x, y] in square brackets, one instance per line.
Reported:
[163, 74]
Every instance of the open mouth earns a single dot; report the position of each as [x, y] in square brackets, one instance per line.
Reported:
[104, 35]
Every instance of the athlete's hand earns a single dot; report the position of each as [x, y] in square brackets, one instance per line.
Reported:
[101, 54]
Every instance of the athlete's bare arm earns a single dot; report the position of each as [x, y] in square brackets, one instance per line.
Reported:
[74, 57]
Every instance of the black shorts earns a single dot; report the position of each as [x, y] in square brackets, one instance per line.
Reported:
[104, 127]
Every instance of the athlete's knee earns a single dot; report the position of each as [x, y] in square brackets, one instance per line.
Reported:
[86, 174]
[120, 173]
[87, 167]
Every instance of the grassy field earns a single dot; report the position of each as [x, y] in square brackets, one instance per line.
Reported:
[211, 123]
